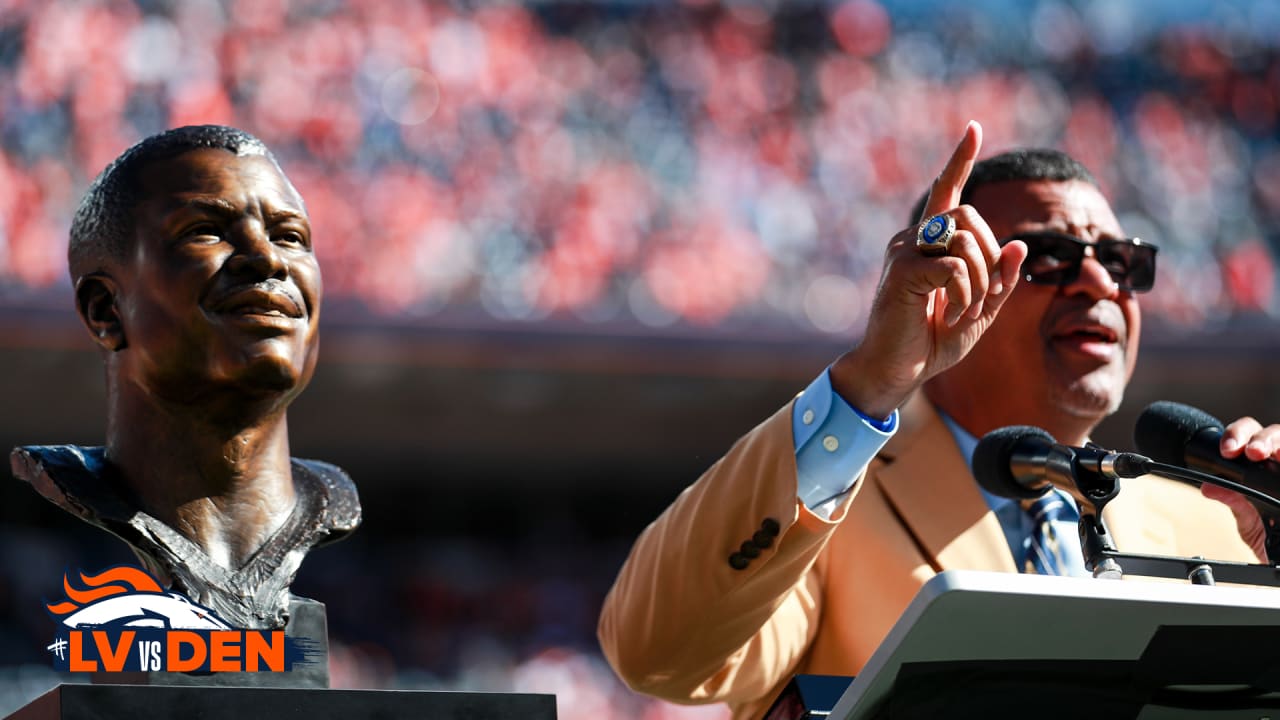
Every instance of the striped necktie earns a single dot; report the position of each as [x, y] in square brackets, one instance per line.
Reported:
[1044, 555]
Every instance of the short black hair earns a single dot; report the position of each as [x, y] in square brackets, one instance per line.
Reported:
[1021, 164]
[102, 229]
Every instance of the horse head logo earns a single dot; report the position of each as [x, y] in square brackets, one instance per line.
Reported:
[129, 597]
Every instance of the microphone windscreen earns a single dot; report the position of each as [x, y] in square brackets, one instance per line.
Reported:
[994, 456]
[1165, 428]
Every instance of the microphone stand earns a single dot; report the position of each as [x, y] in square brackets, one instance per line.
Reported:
[1100, 486]
[1265, 504]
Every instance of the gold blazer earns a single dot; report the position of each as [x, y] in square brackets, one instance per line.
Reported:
[683, 624]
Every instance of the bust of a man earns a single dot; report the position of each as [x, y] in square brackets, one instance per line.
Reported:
[195, 275]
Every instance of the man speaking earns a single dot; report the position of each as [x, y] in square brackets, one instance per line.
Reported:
[1013, 303]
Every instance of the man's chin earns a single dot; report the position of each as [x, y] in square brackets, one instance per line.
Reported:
[273, 378]
[1089, 391]
[264, 374]
[1087, 400]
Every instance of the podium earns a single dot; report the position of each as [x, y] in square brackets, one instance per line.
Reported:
[993, 645]
[169, 702]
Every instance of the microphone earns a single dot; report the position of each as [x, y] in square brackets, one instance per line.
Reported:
[1179, 434]
[1012, 462]
[1023, 462]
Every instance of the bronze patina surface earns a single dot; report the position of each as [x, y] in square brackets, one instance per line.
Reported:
[196, 277]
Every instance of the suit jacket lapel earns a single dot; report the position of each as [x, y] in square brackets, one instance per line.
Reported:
[1134, 523]
[933, 490]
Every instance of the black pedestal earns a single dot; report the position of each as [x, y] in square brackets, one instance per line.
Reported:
[159, 702]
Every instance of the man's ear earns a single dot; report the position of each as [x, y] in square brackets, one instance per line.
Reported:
[96, 301]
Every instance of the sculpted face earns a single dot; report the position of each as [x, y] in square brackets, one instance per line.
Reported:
[222, 290]
[1055, 350]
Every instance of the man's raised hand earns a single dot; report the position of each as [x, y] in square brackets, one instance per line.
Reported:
[930, 310]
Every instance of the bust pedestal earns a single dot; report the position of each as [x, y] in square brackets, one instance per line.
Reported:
[160, 702]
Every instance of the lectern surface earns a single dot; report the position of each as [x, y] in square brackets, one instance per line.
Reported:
[987, 637]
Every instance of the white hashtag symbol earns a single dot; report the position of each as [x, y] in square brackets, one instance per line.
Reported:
[59, 648]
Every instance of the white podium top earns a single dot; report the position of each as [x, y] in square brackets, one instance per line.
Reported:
[970, 615]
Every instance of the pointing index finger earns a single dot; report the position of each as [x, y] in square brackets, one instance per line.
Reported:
[945, 193]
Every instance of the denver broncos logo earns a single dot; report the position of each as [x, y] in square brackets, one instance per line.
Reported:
[128, 597]
[122, 620]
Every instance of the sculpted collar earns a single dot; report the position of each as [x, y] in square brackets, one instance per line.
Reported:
[81, 481]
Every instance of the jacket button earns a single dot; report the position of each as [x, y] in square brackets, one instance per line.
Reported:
[770, 526]
[738, 561]
[749, 549]
[762, 539]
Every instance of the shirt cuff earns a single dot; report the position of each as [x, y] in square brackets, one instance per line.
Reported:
[834, 443]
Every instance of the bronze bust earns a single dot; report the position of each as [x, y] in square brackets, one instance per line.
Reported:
[194, 274]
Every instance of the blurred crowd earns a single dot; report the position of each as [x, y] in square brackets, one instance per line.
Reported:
[735, 165]
[480, 616]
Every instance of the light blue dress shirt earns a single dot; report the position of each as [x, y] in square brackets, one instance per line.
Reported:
[1016, 523]
[834, 442]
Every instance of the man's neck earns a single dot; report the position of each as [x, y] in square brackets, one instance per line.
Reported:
[225, 488]
[979, 418]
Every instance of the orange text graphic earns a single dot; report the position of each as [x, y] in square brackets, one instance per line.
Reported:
[199, 651]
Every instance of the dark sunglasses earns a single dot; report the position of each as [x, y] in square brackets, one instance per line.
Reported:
[1054, 258]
